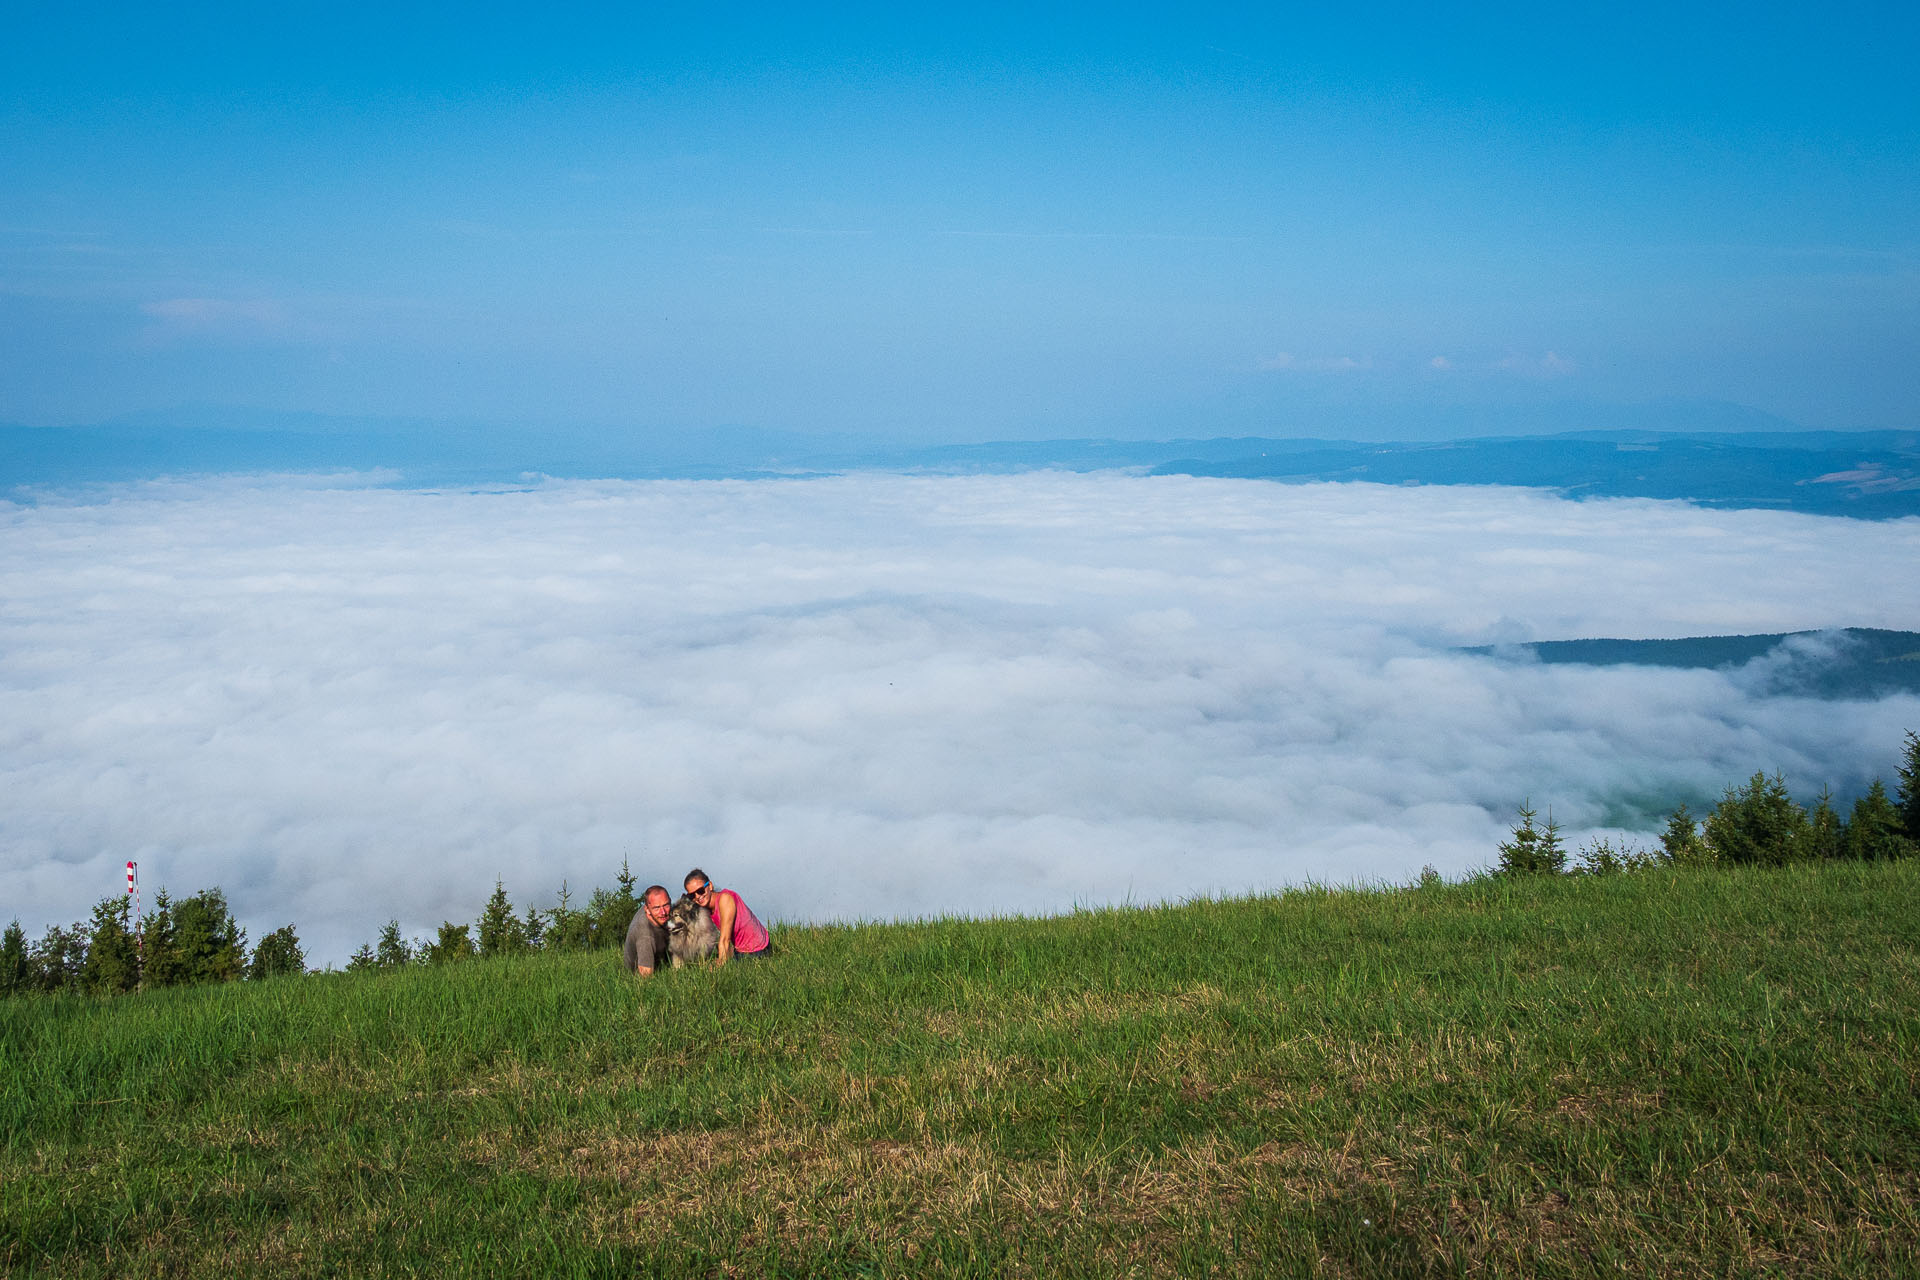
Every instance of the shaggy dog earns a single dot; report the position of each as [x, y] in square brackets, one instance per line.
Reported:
[691, 932]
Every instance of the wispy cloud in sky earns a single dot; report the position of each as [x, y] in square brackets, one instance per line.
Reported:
[221, 317]
[1287, 362]
[871, 695]
[1550, 365]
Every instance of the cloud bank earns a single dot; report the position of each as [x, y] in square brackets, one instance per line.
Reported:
[873, 695]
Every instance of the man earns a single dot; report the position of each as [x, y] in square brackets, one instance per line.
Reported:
[647, 935]
[741, 933]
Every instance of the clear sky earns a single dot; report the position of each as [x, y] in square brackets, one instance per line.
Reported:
[972, 225]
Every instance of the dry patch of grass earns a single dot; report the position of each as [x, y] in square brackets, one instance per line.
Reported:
[796, 1188]
[1597, 1104]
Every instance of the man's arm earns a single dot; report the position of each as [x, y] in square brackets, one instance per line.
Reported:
[723, 914]
[643, 948]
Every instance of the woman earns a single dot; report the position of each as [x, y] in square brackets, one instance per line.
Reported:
[741, 932]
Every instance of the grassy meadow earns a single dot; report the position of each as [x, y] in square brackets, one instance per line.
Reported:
[1674, 1072]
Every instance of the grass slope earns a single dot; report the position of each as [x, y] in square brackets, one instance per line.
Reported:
[1667, 1073]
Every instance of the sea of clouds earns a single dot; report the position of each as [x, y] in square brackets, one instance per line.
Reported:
[873, 695]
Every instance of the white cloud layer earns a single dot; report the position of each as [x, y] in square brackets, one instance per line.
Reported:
[872, 695]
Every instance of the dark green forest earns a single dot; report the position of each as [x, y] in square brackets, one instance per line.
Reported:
[1845, 662]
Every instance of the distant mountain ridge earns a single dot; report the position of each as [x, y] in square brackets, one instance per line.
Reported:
[1868, 475]
[1847, 662]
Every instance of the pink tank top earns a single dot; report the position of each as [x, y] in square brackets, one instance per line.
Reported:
[749, 935]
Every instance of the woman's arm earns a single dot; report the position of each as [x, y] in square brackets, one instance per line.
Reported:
[723, 914]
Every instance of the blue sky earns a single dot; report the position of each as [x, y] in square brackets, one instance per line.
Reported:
[970, 226]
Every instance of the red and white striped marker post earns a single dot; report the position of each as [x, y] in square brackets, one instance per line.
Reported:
[133, 893]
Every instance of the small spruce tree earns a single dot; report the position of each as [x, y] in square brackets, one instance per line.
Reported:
[500, 933]
[607, 916]
[1533, 850]
[113, 961]
[393, 952]
[1517, 852]
[567, 928]
[1552, 854]
[362, 960]
[613, 911]
[1680, 843]
[1874, 831]
[1757, 825]
[212, 946]
[15, 971]
[1826, 830]
[1907, 793]
[162, 965]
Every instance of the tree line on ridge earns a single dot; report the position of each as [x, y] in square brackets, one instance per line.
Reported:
[1756, 824]
[195, 940]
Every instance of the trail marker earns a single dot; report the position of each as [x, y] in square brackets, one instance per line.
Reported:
[133, 892]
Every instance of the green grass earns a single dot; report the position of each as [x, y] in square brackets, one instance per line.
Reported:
[1670, 1073]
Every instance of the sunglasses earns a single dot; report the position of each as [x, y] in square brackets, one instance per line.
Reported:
[701, 889]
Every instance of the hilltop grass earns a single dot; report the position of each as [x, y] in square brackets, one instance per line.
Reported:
[1673, 1072]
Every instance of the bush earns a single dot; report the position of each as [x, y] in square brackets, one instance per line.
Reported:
[278, 955]
[454, 944]
[1600, 858]
[54, 963]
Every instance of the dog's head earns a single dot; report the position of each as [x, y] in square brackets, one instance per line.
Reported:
[682, 915]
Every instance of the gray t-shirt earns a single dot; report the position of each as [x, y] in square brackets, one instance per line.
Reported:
[646, 944]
